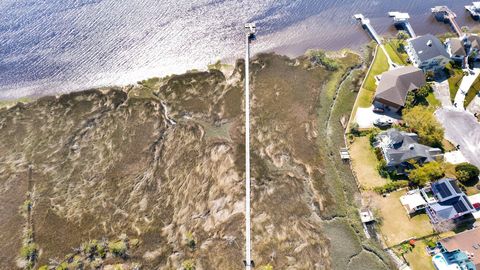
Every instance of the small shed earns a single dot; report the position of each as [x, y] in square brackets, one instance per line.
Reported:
[344, 154]
[413, 201]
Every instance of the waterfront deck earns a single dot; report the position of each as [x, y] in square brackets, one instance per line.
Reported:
[443, 13]
[401, 19]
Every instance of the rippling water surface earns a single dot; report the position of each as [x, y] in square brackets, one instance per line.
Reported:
[57, 46]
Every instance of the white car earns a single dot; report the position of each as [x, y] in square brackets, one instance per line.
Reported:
[383, 122]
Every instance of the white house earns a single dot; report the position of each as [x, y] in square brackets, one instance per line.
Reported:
[427, 53]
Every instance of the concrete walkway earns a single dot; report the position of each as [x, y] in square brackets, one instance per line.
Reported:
[465, 85]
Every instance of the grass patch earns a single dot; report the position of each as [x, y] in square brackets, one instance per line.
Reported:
[454, 80]
[364, 163]
[367, 91]
[397, 54]
[433, 101]
[418, 258]
[472, 92]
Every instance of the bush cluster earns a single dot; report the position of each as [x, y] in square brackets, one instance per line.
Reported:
[392, 186]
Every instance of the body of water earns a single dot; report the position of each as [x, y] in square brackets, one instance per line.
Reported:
[57, 46]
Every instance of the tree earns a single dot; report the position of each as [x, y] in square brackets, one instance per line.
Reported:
[420, 119]
[431, 171]
[402, 35]
[266, 267]
[466, 172]
[418, 97]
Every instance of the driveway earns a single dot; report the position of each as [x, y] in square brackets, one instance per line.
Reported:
[365, 117]
[462, 128]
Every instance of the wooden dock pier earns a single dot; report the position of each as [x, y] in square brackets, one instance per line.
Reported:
[366, 24]
[401, 19]
[443, 13]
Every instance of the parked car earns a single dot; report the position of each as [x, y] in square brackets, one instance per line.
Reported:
[383, 122]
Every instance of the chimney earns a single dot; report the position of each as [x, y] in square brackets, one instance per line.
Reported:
[429, 43]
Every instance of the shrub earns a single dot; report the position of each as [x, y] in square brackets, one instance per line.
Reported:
[266, 267]
[118, 248]
[188, 265]
[319, 56]
[28, 251]
[355, 130]
[392, 186]
[421, 120]
[190, 240]
[378, 153]
[428, 172]
[382, 169]
[466, 172]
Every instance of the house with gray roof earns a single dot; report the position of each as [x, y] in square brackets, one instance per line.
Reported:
[400, 148]
[456, 49]
[449, 202]
[394, 86]
[472, 46]
[427, 53]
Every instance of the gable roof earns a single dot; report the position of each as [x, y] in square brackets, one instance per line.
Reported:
[395, 84]
[467, 241]
[427, 47]
[456, 47]
[452, 202]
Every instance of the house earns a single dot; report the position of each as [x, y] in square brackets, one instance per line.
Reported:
[427, 53]
[456, 49]
[455, 260]
[472, 46]
[449, 201]
[400, 148]
[394, 86]
[467, 242]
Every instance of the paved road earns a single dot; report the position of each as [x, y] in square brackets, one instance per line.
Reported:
[461, 128]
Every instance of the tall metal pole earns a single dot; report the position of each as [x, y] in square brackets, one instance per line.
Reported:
[248, 255]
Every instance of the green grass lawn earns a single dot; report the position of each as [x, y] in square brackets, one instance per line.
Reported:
[472, 92]
[418, 258]
[396, 53]
[454, 81]
[367, 91]
[433, 101]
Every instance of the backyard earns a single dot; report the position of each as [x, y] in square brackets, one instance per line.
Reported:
[364, 163]
[392, 214]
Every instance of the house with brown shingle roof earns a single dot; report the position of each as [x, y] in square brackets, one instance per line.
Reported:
[394, 86]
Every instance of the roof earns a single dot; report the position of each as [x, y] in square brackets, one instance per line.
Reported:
[401, 146]
[395, 84]
[456, 47]
[451, 201]
[412, 200]
[467, 241]
[474, 41]
[427, 47]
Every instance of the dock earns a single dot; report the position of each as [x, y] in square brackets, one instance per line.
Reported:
[368, 27]
[401, 19]
[443, 13]
[474, 10]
